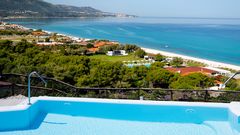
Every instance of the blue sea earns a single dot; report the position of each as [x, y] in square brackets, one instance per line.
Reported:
[212, 39]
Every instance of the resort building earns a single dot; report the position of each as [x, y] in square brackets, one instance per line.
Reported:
[49, 43]
[220, 71]
[93, 50]
[149, 58]
[117, 53]
[39, 33]
[104, 43]
[189, 70]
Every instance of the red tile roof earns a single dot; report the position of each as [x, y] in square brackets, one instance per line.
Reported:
[188, 70]
[93, 50]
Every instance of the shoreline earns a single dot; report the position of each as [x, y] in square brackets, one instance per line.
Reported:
[205, 61]
[209, 63]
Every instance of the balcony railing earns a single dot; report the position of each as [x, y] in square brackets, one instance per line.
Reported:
[59, 88]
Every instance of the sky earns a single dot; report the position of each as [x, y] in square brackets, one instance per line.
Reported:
[163, 8]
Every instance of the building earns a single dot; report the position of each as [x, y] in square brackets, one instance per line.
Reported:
[39, 33]
[189, 70]
[93, 50]
[149, 58]
[220, 71]
[2, 27]
[49, 43]
[99, 44]
[117, 53]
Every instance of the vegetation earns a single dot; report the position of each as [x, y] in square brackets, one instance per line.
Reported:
[159, 57]
[140, 53]
[191, 63]
[13, 32]
[40, 8]
[177, 62]
[70, 64]
[192, 81]
[103, 57]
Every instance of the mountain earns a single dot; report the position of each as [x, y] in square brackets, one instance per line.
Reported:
[40, 8]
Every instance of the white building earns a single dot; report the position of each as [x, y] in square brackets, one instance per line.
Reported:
[49, 43]
[117, 53]
[220, 71]
[149, 58]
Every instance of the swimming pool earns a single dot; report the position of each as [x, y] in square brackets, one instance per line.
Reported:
[70, 116]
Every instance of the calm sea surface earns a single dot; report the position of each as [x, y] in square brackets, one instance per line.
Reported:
[213, 39]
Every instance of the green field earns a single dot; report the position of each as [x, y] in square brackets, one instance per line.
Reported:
[104, 57]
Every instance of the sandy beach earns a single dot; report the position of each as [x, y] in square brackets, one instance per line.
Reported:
[207, 62]
[168, 54]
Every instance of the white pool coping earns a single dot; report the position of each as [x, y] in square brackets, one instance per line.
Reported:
[234, 106]
[12, 101]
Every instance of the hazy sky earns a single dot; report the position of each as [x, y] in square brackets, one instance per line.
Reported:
[164, 8]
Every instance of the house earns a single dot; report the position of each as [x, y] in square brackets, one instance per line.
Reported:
[189, 70]
[2, 27]
[39, 33]
[99, 44]
[220, 71]
[49, 43]
[117, 53]
[93, 50]
[149, 58]
[83, 43]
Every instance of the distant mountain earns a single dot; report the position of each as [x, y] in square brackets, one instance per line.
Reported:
[40, 8]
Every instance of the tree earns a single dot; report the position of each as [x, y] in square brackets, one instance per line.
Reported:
[90, 45]
[47, 39]
[136, 76]
[193, 81]
[105, 74]
[5, 44]
[130, 48]
[140, 53]
[22, 46]
[159, 57]
[38, 30]
[159, 78]
[106, 48]
[157, 65]
[177, 62]
[233, 85]
[3, 62]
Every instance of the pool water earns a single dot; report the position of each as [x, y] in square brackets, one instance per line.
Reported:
[55, 124]
[96, 118]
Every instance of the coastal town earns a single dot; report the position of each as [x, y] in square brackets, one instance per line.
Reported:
[118, 67]
[130, 55]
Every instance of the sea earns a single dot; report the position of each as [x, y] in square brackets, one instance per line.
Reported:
[214, 39]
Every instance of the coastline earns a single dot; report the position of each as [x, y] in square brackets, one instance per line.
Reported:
[209, 63]
[205, 61]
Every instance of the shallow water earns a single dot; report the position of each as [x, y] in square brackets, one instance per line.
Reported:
[56, 124]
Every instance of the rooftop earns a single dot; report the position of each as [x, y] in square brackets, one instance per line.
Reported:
[188, 70]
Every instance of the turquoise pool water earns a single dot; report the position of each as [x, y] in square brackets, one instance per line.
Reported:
[49, 117]
[132, 65]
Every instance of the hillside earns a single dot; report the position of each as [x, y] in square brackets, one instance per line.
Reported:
[40, 8]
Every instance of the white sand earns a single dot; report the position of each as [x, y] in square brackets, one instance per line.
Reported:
[169, 54]
[207, 62]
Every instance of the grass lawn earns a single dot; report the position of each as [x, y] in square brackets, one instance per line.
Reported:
[238, 81]
[191, 63]
[104, 57]
[17, 38]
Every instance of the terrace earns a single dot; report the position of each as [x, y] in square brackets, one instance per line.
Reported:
[18, 89]
[61, 108]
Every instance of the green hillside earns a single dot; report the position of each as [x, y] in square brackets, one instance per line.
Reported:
[40, 8]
